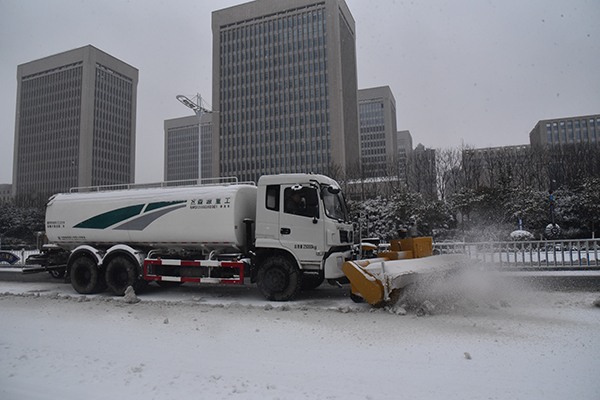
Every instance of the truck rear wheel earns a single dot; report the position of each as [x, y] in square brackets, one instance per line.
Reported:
[85, 276]
[279, 279]
[120, 273]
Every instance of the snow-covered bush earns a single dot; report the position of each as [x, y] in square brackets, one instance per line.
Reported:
[521, 235]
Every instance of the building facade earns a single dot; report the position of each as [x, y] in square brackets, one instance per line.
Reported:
[285, 87]
[563, 131]
[404, 144]
[404, 149]
[5, 192]
[422, 174]
[378, 132]
[182, 148]
[75, 123]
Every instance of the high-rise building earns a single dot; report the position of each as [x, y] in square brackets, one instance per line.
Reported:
[563, 131]
[75, 123]
[378, 133]
[182, 148]
[404, 146]
[422, 171]
[285, 87]
[5, 192]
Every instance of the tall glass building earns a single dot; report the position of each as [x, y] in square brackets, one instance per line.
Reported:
[378, 131]
[75, 123]
[284, 88]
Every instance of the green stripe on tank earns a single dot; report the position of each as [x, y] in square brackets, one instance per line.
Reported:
[161, 204]
[104, 220]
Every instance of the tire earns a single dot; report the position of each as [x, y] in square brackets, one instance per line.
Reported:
[356, 298]
[85, 276]
[120, 273]
[279, 279]
[312, 281]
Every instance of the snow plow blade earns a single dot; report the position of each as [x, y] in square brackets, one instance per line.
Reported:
[380, 280]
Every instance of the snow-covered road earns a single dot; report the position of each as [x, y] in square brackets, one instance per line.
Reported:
[227, 342]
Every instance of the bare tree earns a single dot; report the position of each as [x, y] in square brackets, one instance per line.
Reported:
[448, 173]
[472, 167]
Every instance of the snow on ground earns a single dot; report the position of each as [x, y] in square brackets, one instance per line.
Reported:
[488, 338]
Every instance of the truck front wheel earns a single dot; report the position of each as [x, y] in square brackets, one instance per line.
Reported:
[85, 276]
[120, 273]
[312, 280]
[279, 279]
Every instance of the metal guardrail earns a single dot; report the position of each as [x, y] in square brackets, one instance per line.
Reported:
[8, 256]
[548, 255]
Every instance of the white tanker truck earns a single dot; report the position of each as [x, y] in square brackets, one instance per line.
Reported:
[288, 233]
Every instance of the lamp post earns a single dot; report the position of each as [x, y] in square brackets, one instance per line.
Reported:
[196, 106]
[552, 230]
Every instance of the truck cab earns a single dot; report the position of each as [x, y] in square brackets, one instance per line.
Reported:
[302, 233]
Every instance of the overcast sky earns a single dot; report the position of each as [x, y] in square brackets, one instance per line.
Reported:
[478, 72]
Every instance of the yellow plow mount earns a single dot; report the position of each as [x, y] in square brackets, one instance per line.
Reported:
[380, 280]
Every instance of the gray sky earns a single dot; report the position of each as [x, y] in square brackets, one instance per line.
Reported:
[478, 72]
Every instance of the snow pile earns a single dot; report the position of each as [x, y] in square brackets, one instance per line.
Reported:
[470, 287]
[521, 235]
[130, 296]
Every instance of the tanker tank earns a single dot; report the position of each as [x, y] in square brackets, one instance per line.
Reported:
[192, 217]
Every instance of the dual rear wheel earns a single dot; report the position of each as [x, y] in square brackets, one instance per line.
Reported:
[87, 278]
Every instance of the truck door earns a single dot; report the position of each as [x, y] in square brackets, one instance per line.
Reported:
[301, 224]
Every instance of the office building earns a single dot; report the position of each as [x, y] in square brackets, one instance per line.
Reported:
[5, 192]
[285, 88]
[182, 148]
[562, 131]
[404, 144]
[75, 123]
[422, 172]
[404, 149]
[378, 133]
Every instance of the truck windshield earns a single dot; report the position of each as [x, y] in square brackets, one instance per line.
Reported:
[334, 203]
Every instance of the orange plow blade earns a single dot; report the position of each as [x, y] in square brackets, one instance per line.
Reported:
[379, 280]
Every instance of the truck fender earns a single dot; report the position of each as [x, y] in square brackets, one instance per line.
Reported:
[136, 256]
[263, 254]
[89, 251]
[84, 270]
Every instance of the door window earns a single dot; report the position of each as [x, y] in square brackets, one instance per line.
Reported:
[302, 201]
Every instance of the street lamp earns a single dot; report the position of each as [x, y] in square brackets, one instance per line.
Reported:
[199, 110]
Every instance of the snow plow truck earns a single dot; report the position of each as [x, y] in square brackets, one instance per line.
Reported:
[287, 233]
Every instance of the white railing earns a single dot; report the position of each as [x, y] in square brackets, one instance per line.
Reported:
[180, 183]
[21, 254]
[557, 255]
